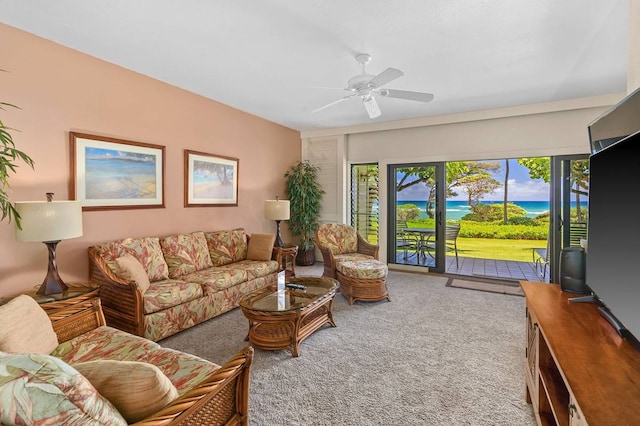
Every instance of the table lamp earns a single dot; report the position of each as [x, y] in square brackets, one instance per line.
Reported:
[49, 222]
[277, 210]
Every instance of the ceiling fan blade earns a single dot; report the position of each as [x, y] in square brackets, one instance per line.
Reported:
[405, 94]
[385, 77]
[332, 103]
[372, 107]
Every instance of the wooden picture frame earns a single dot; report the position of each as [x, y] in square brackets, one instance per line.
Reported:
[115, 174]
[210, 180]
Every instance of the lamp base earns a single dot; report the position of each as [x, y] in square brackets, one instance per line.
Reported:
[52, 282]
[278, 242]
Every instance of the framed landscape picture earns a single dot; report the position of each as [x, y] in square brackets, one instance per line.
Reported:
[210, 180]
[109, 174]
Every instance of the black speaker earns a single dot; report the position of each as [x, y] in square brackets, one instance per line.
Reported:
[572, 270]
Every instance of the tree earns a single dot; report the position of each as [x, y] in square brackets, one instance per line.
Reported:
[540, 168]
[465, 174]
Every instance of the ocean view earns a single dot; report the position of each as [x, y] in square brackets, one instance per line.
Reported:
[457, 209]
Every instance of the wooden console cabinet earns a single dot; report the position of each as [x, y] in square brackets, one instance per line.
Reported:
[578, 371]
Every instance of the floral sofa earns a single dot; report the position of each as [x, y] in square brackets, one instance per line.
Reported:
[65, 366]
[154, 287]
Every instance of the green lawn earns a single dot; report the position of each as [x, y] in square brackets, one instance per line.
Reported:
[488, 248]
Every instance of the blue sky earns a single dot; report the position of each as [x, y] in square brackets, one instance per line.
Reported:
[521, 187]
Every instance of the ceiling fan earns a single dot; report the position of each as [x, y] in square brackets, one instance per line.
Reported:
[365, 86]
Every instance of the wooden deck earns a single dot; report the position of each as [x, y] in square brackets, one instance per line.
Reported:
[489, 268]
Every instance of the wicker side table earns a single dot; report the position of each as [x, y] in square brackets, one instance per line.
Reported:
[286, 258]
[70, 298]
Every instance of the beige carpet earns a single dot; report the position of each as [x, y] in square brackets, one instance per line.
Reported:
[490, 286]
[435, 355]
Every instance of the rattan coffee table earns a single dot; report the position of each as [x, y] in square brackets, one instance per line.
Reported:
[283, 319]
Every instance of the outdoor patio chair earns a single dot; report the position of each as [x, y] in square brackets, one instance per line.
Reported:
[405, 240]
[451, 241]
[541, 260]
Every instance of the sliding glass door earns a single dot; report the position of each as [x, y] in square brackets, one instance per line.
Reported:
[417, 215]
[569, 206]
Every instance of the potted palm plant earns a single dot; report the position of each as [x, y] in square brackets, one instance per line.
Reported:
[305, 194]
[9, 157]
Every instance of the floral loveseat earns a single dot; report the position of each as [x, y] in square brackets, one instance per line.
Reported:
[154, 287]
[66, 367]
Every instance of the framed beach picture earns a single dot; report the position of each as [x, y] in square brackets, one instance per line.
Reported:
[210, 180]
[110, 174]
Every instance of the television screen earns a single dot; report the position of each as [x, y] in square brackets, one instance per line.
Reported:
[617, 123]
[613, 251]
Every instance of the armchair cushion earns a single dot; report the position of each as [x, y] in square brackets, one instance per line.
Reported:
[136, 389]
[26, 327]
[129, 268]
[260, 246]
[42, 389]
[338, 239]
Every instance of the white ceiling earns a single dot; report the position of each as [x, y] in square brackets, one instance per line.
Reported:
[269, 57]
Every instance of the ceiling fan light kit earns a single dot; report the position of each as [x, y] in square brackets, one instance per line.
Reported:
[365, 86]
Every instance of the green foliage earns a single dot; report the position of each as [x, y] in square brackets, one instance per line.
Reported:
[522, 220]
[407, 212]
[305, 194]
[536, 230]
[539, 167]
[9, 157]
[493, 212]
[498, 230]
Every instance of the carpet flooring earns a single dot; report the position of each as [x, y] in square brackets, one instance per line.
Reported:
[435, 355]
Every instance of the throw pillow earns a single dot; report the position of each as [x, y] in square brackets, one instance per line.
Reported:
[44, 390]
[25, 327]
[130, 268]
[136, 389]
[260, 246]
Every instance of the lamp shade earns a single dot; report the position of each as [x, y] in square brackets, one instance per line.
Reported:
[276, 209]
[49, 220]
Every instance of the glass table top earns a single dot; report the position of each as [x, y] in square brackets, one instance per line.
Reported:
[270, 299]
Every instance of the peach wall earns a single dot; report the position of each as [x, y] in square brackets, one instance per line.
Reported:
[60, 90]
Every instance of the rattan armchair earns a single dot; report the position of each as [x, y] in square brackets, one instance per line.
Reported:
[341, 243]
[220, 399]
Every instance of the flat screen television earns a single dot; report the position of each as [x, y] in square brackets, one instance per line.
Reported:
[613, 246]
[617, 123]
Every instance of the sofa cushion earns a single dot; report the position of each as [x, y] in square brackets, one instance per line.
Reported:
[218, 278]
[168, 293]
[255, 268]
[42, 389]
[26, 327]
[130, 269]
[260, 247]
[186, 253]
[104, 343]
[227, 246]
[148, 251]
[136, 389]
